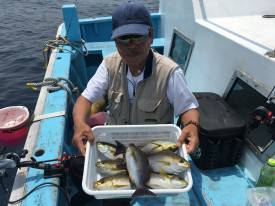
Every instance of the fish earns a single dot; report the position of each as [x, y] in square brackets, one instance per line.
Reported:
[158, 146]
[110, 151]
[168, 162]
[98, 105]
[138, 169]
[115, 182]
[111, 167]
[166, 181]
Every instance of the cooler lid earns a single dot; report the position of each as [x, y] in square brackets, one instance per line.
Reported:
[217, 118]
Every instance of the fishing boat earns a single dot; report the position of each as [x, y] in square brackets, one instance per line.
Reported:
[223, 47]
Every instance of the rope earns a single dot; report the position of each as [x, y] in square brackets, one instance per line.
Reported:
[59, 44]
[55, 84]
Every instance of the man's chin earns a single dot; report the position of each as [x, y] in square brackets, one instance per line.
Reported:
[132, 61]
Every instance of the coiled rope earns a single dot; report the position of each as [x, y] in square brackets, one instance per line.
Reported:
[59, 44]
[55, 84]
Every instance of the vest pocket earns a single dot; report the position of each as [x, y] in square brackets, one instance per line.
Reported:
[149, 110]
[147, 105]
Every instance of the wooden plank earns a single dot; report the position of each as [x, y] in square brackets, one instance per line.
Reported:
[107, 51]
[107, 48]
[18, 189]
[71, 22]
[158, 42]
[99, 46]
[50, 137]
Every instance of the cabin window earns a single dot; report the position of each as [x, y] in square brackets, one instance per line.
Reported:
[181, 49]
[244, 99]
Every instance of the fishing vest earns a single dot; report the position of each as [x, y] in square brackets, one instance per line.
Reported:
[151, 105]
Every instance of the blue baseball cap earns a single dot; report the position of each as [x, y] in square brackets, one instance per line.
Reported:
[130, 18]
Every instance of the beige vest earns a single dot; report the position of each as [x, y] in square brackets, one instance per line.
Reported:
[151, 105]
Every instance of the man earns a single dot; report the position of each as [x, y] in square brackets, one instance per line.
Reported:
[142, 86]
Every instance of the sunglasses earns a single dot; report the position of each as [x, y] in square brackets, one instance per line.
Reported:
[136, 39]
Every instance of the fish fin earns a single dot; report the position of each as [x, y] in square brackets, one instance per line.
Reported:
[162, 172]
[143, 192]
[120, 148]
[121, 165]
[124, 157]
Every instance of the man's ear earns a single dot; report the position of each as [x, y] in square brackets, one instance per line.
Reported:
[150, 33]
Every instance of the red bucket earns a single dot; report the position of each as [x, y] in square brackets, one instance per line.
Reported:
[14, 125]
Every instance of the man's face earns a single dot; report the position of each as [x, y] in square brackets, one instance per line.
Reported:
[134, 49]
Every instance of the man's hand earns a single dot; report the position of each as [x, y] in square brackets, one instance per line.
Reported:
[82, 131]
[82, 134]
[189, 135]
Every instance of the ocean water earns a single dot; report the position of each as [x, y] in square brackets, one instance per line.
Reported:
[24, 27]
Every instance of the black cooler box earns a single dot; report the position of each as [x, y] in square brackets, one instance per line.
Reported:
[221, 132]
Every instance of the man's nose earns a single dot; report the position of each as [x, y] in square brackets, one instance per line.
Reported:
[132, 44]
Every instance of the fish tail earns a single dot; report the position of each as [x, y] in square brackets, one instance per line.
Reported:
[120, 148]
[142, 192]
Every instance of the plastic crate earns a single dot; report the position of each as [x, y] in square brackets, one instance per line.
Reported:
[126, 134]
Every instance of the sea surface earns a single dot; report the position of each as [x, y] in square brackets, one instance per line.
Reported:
[24, 27]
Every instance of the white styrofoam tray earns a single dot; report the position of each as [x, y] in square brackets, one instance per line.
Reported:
[126, 134]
